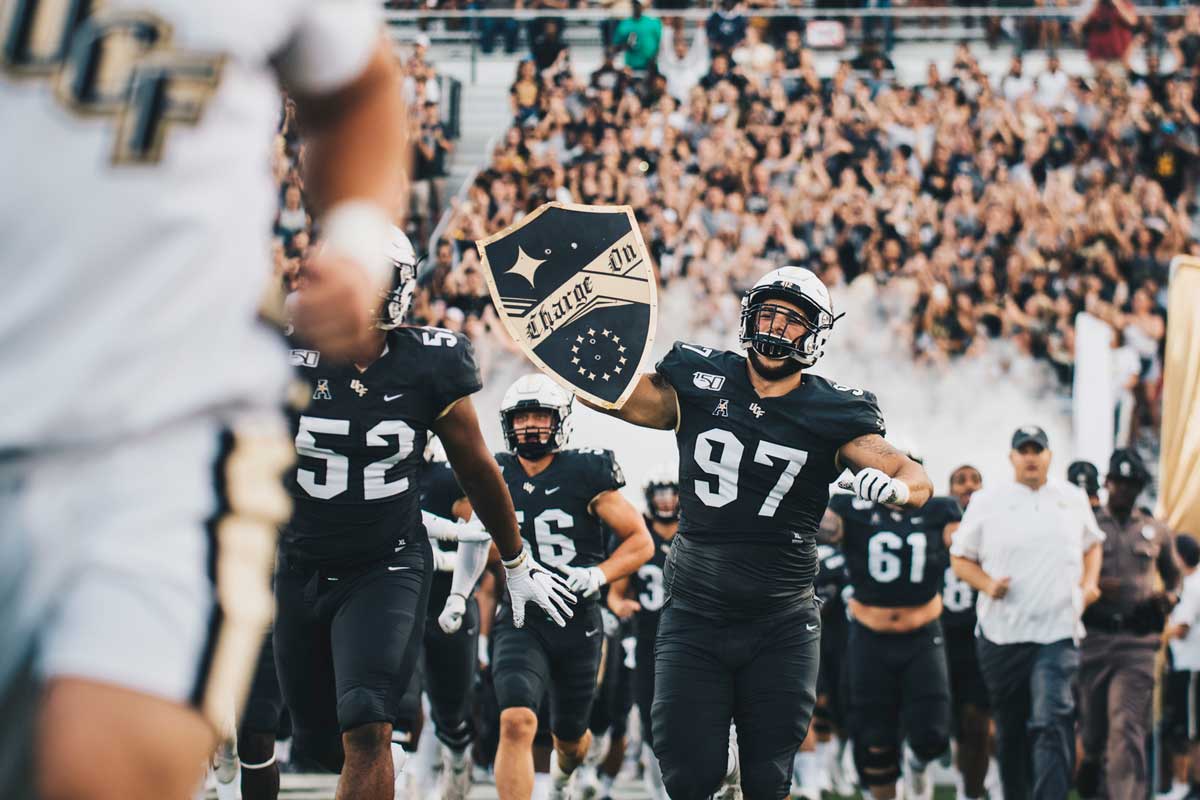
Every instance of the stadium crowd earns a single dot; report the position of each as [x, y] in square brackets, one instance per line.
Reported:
[989, 208]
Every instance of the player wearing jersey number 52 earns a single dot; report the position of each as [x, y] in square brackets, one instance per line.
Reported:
[760, 440]
[353, 580]
[141, 449]
[564, 501]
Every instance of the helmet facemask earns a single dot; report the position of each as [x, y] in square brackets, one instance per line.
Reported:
[761, 319]
[662, 501]
[532, 442]
[398, 299]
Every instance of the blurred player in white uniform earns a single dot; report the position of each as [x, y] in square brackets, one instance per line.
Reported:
[140, 445]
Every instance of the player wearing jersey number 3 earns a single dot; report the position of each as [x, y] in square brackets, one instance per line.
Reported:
[760, 440]
[141, 448]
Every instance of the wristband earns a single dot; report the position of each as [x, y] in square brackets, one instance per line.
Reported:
[515, 561]
[902, 493]
[359, 230]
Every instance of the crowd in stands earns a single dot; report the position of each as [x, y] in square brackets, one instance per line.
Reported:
[986, 209]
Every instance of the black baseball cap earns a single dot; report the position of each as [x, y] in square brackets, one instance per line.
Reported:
[1030, 433]
[1084, 475]
[1127, 465]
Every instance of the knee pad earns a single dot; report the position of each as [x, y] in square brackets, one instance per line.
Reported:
[766, 779]
[685, 782]
[876, 765]
[457, 737]
[361, 706]
[256, 749]
[931, 746]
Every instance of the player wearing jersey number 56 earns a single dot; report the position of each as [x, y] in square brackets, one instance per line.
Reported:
[895, 655]
[564, 500]
[140, 449]
[760, 440]
[354, 562]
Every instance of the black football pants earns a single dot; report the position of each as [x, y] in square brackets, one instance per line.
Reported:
[759, 674]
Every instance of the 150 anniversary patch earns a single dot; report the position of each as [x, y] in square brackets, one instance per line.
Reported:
[575, 288]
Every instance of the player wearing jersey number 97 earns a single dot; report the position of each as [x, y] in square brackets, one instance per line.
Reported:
[760, 440]
[564, 500]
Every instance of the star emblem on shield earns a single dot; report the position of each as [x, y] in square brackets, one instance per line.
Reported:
[575, 288]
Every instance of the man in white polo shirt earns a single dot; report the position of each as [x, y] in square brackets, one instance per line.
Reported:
[1029, 548]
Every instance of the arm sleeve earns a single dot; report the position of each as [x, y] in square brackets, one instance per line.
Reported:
[472, 560]
[968, 538]
[330, 46]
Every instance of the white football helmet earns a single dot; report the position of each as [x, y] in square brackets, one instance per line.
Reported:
[530, 392]
[801, 287]
[395, 305]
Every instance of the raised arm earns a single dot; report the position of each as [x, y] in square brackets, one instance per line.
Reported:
[883, 473]
[653, 404]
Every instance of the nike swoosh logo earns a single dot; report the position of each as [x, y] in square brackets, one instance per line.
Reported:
[396, 569]
[590, 634]
[387, 398]
[552, 491]
[810, 628]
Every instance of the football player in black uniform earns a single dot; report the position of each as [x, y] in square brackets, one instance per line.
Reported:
[662, 518]
[352, 580]
[760, 440]
[451, 644]
[564, 500]
[895, 654]
[968, 693]
[826, 764]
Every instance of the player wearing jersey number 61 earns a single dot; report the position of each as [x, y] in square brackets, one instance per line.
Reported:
[760, 440]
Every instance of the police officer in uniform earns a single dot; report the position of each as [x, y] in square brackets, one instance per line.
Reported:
[896, 655]
[1117, 668]
[760, 439]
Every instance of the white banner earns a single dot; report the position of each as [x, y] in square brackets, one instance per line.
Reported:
[1093, 399]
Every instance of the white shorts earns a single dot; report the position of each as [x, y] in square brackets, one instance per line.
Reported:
[145, 564]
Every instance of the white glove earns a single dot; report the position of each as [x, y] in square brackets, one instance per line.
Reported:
[444, 560]
[450, 620]
[529, 580]
[585, 581]
[611, 623]
[877, 486]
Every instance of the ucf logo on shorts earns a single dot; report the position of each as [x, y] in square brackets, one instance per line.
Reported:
[576, 291]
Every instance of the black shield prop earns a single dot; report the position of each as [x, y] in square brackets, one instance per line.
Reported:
[576, 291]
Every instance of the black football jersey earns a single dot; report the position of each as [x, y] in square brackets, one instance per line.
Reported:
[958, 602]
[832, 577]
[360, 441]
[754, 475]
[895, 557]
[649, 583]
[439, 492]
[553, 506]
